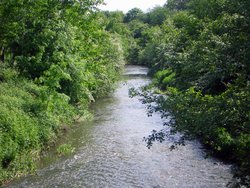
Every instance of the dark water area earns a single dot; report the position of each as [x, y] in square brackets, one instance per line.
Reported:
[110, 151]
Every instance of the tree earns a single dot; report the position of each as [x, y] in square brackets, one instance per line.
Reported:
[177, 5]
[133, 14]
[157, 16]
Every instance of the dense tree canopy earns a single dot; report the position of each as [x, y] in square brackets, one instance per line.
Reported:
[133, 14]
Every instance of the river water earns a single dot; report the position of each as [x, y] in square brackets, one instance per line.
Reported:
[110, 151]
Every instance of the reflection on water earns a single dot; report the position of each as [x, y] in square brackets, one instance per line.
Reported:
[110, 151]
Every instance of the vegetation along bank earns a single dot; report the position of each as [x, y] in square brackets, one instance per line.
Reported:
[58, 56]
[199, 55]
[55, 58]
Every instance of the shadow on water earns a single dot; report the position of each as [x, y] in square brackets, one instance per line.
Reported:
[110, 151]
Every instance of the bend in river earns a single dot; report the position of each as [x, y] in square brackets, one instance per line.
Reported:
[110, 151]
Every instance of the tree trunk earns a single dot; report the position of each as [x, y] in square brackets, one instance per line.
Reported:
[2, 54]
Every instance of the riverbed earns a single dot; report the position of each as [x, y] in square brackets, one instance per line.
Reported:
[110, 151]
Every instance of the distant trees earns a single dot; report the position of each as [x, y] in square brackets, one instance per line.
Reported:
[133, 14]
[177, 5]
[157, 16]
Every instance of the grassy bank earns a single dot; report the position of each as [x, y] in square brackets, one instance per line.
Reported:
[26, 126]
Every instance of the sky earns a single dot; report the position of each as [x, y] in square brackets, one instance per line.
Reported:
[126, 5]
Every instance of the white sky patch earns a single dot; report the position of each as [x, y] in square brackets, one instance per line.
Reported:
[126, 5]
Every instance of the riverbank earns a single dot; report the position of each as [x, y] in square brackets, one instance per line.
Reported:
[56, 58]
[30, 123]
[110, 151]
[198, 53]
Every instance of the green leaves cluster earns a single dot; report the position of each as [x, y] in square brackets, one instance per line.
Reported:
[65, 149]
[55, 59]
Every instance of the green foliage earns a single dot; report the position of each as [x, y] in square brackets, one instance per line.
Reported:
[115, 23]
[137, 27]
[219, 121]
[164, 78]
[55, 59]
[65, 149]
[199, 56]
[133, 53]
[21, 128]
[133, 14]
[157, 16]
[177, 5]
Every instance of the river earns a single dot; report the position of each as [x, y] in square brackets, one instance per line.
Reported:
[110, 151]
